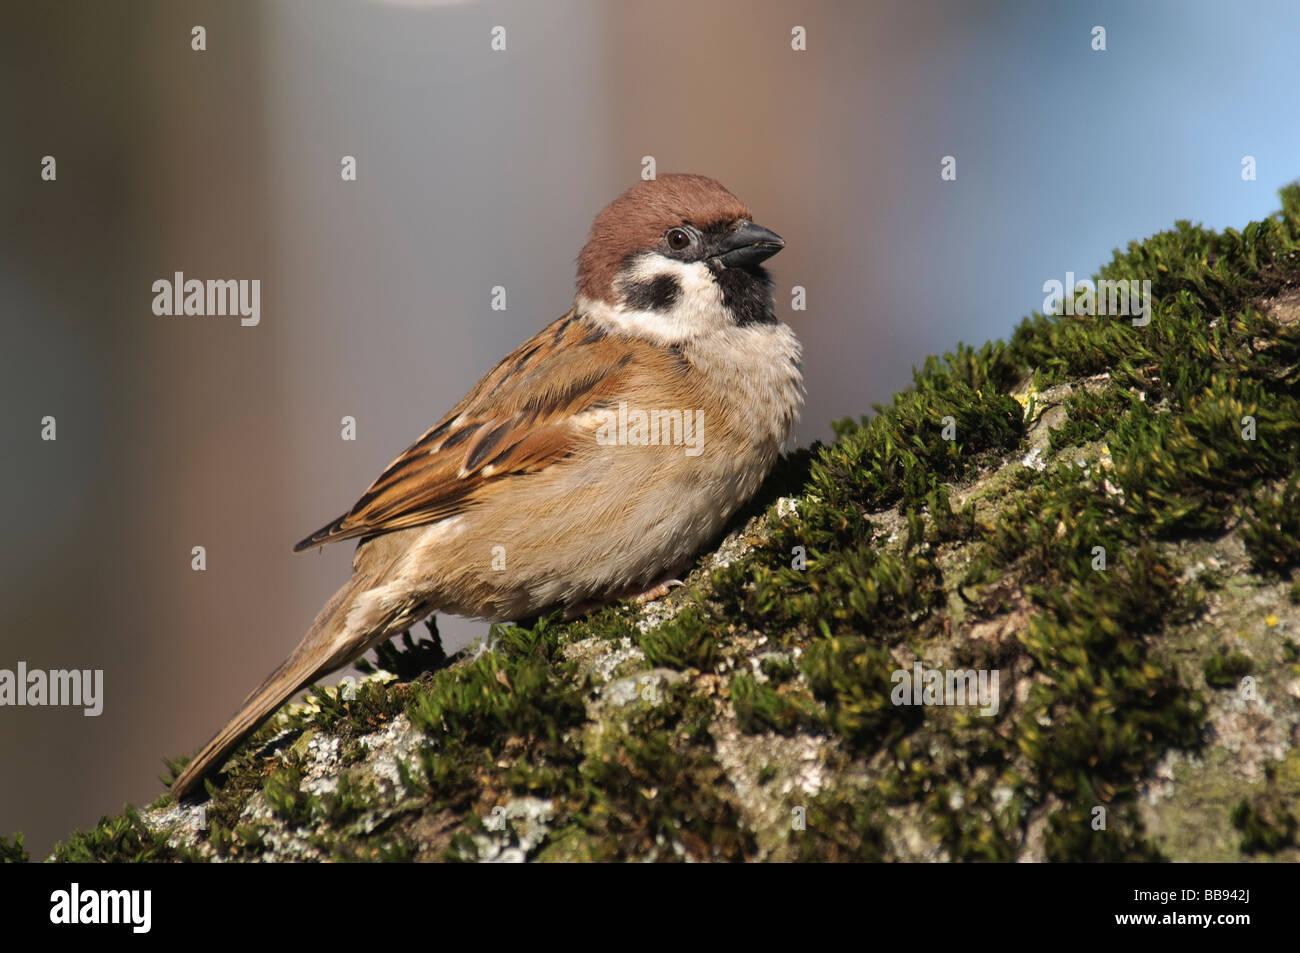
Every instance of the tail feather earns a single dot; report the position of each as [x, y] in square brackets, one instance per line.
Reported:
[315, 656]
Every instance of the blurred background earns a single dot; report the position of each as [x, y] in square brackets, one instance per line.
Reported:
[478, 168]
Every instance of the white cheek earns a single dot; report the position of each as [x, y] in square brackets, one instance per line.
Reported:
[697, 310]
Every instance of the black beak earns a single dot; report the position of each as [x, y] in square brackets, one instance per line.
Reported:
[747, 245]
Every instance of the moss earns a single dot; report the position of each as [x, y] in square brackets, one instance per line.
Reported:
[491, 699]
[852, 677]
[652, 789]
[1272, 535]
[761, 707]
[245, 775]
[686, 641]
[941, 430]
[777, 668]
[283, 792]
[945, 525]
[1265, 828]
[839, 826]
[1226, 669]
[124, 838]
[12, 851]
[1185, 471]
[1092, 415]
[610, 624]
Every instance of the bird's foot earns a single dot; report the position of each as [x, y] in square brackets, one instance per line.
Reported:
[657, 591]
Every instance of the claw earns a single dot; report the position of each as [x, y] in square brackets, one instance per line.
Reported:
[656, 591]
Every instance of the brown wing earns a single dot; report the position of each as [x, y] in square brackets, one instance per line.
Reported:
[517, 419]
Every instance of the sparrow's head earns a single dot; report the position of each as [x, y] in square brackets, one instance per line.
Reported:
[676, 257]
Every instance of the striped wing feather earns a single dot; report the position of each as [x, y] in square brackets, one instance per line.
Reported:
[517, 419]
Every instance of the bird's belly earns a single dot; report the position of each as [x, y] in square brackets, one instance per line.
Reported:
[621, 529]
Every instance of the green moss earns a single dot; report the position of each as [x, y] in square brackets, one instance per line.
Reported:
[1091, 415]
[121, 839]
[945, 525]
[611, 624]
[485, 702]
[777, 668]
[852, 677]
[1227, 669]
[1265, 828]
[839, 826]
[655, 789]
[1184, 472]
[444, 777]
[12, 851]
[761, 707]
[283, 792]
[246, 774]
[1272, 535]
[687, 641]
[942, 430]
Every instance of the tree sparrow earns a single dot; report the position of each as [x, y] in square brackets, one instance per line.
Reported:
[589, 465]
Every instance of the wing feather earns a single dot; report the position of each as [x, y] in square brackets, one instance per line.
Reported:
[517, 419]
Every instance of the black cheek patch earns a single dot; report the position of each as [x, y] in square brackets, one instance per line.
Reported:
[658, 294]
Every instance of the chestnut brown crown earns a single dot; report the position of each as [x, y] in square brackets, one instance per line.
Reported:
[637, 220]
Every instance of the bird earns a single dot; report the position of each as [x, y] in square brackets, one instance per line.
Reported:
[591, 464]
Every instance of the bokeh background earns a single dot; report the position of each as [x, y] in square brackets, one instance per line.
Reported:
[479, 168]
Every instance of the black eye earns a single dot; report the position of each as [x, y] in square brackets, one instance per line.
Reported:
[678, 238]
